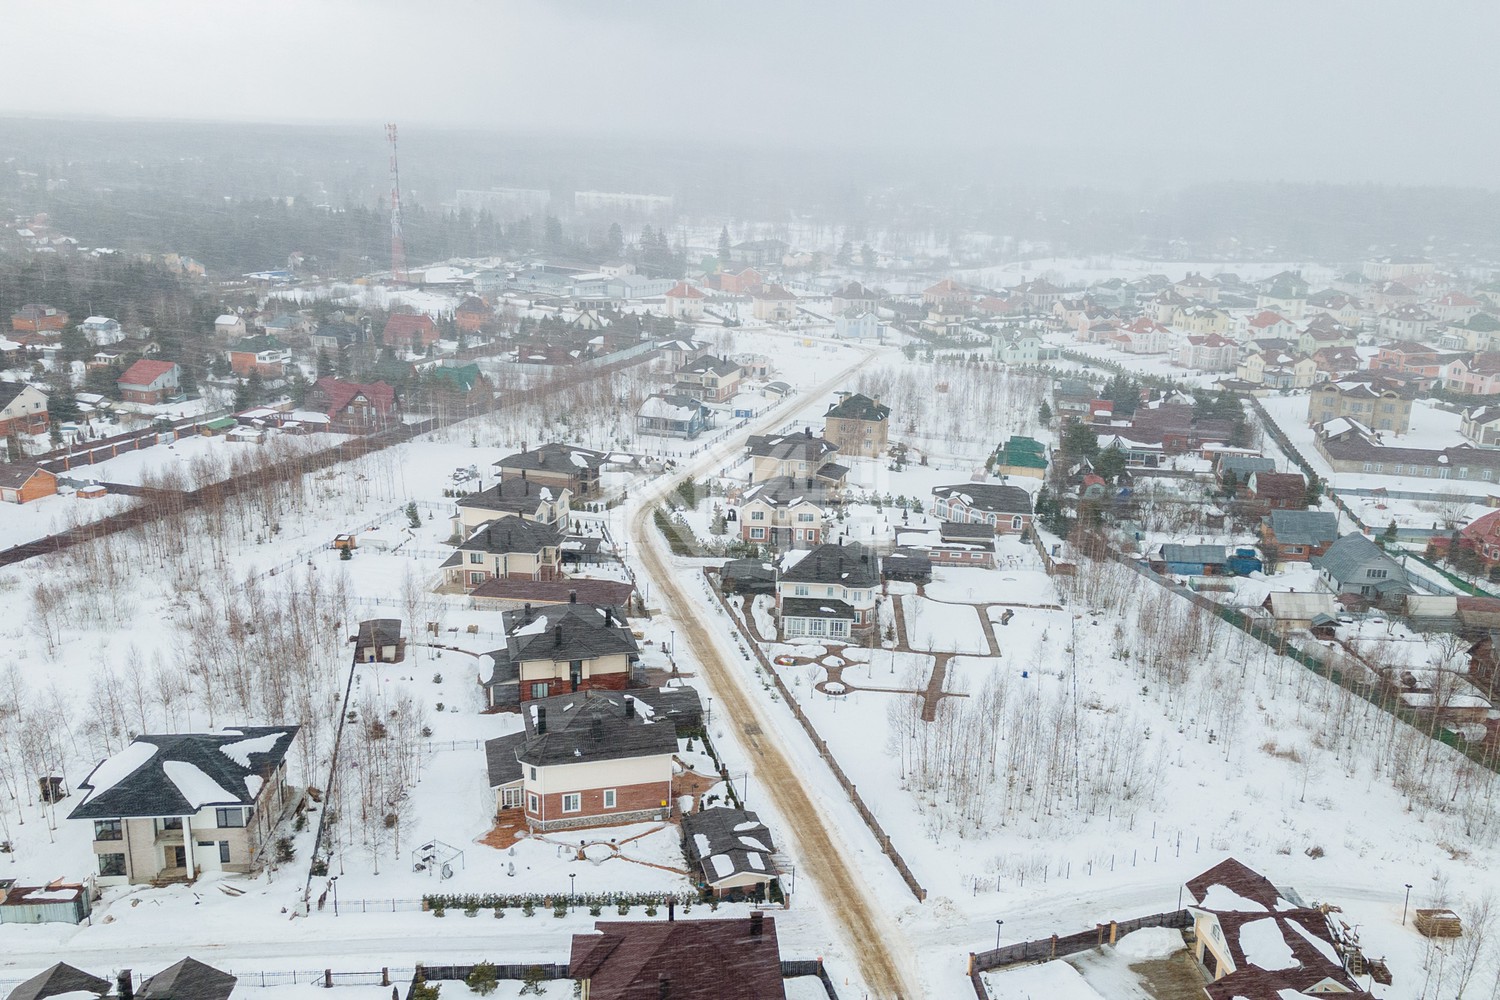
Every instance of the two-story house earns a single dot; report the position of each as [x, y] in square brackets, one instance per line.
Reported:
[102, 331]
[558, 466]
[594, 758]
[1006, 508]
[685, 302]
[665, 414]
[858, 424]
[519, 497]
[560, 649]
[170, 807]
[1378, 403]
[23, 409]
[353, 406]
[1208, 353]
[229, 326]
[796, 456]
[829, 593]
[149, 382]
[409, 331]
[784, 513]
[508, 548]
[709, 378]
[1481, 425]
[263, 355]
[773, 304]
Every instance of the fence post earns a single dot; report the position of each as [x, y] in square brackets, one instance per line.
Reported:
[328, 979]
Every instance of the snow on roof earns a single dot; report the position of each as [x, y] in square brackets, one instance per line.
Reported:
[1265, 947]
[113, 770]
[536, 626]
[700, 840]
[240, 751]
[1222, 899]
[1322, 945]
[226, 318]
[197, 787]
[723, 865]
[756, 861]
[753, 844]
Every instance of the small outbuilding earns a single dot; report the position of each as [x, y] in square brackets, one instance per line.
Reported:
[379, 641]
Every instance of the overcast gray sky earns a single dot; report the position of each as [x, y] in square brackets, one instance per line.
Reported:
[1300, 89]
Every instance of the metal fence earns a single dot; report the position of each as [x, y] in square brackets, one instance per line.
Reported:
[1049, 948]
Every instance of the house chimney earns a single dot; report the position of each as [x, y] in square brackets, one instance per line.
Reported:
[671, 909]
[807, 432]
[541, 719]
[596, 729]
[526, 612]
[523, 475]
[629, 707]
[609, 617]
[757, 922]
[572, 597]
[123, 985]
[557, 635]
[663, 986]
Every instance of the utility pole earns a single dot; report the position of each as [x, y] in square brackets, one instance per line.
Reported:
[398, 245]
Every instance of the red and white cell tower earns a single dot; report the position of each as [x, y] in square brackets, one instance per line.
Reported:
[398, 246]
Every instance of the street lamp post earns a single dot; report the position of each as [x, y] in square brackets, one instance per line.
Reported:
[571, 877]
[997, 933]
[334, 883]
[1404, 905]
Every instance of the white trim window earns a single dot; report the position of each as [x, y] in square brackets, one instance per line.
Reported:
[609, 798]
[572, 802]
[533, 802]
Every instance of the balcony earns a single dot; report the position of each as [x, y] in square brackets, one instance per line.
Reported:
[169, 836]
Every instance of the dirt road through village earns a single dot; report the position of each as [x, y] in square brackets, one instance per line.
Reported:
[865, 924]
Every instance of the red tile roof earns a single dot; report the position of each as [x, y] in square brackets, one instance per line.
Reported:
[144, 372]
[340, 394]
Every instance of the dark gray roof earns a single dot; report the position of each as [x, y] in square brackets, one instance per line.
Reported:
[156, 775]
[850, 565]
[783, 491]
[512, 533]
[61, 978]
[813, 607]
[566, 632]
[804, 447]
[966, 531]
[736, 836]
[593, 725]
[988, 497]
[1351, 553]
[510, 496]
[1243, 465]
[9, 391]
[858, 406]
[1304, 527]
[710, 363]
[15, 474]
[749, 569]
[380, 632]
[553, 457]
[1211, 555]
[189, 979]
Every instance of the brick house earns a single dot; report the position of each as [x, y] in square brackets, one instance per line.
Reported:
[149, 382]
[1006, 508]
[1298, 535]
[741, 282]
[1381, 404]
[685, 302]
[409, 331]
[1277, 490]
[23, 409]
[264, 355]
[560, 649]
[859, 425]
[592, 758]
[517, 496]
[35, 317]
[472, 313]
[708, 378]
[508, 548]
[1482, 537]
[172, 807]
[22, 482]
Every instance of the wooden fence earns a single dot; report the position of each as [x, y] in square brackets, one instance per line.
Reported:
[1049, 948]
[881, 837]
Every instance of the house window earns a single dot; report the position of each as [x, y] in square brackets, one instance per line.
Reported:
[830, 592]
[233, 816]
[805, 518]
[111, 864]
[572, 802]
[223, 852]
[540, 690]
[533, 804]
[533, 774]
[1377, 574]
[757, 515]
[757, 532]
[801, 590]
[107, 829]
[174, 823]
[609, 798]
[839, 628]
[475, 579]
[1294, 550]
[477, 558]
[1015, 523]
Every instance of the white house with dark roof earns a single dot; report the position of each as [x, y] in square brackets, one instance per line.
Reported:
[561, 649]
[1006, 508]
[170, 807]
[830, 593]
[784, 513]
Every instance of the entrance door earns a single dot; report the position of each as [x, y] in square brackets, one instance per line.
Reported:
[176, 857]
[510, 798]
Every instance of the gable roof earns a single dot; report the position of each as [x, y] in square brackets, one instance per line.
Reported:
[1351, 552]
[189, 979]
[512, 533]
[567, 632]
[802, 447]
[1207, 555]
[593, 725]
[858, 406]
[1278, 485]
[512, 496]
[59, 980]
[10, 390]
[1303, 527]
[726, 842]
[786, 491]
[709, 363]
[145, 371]
[629, 959]
[180, 773]
[14, 475]
[408, 324]
[379, 632]
[340, 394]
[555, 457]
